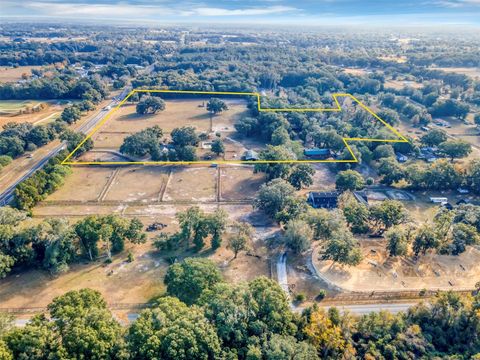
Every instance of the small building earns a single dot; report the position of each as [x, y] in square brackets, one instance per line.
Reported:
[250, 155]
[324, 199]
[401, 158]
[439, 200]
[329, 199]
[463, 191]
[317, 153]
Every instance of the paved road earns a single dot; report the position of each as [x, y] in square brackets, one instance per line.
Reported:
[282, 272]
[363, 309]
[7, 195]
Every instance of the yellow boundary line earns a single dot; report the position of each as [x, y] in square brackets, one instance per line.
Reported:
[400, 138]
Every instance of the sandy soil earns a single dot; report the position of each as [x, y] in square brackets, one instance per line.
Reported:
[239, 183]
[137, 184]
[85, 183]
[192, 184]
[379, 272]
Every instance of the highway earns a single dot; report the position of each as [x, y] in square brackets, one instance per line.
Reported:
[7, 195]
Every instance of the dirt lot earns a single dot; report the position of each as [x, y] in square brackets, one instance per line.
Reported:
[239, 183]
[9, 74]
[137, 184]
[192, 184]
[84, 184]
[379, 272]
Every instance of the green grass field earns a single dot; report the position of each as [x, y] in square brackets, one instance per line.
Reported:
[10, 107]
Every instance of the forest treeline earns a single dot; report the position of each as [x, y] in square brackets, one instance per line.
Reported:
[202, 317]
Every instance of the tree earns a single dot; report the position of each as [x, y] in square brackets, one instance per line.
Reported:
[216, 223]
[349, 180]
[218, 147]
[397, 242]
[238, 241]
[342, 247]
[142, 143]
[298, 236]
[328, 139]
[383, 151]
[425, 238]
[184, 136]
[190, 278]
[274, 196]
[84, 315]
[462, 236]
[280, 136]
[275, 170]
[324, 222]
[73, 139]
[6, 264]
[216, 106]
[71, 114]
[173, 331]
[150, 104]
[472, 176]
[325, 335]
[387, 214]
[476, 119]
[434, 137]
[355, 213]
[301, 176]
[280, 347]
[391, 171]
[272, 306]
[455, 149]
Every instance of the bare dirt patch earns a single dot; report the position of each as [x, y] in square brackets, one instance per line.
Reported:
[86, 183]
[137, 184]
[192, 184]
[240, 183]
[378, 272]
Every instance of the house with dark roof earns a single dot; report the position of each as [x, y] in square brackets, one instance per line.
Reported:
[329, 199]
[324, 199]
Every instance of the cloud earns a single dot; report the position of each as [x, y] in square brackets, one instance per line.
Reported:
[453, 3]
[142, 11]
[210, 11]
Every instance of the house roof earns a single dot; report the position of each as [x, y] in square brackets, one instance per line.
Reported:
[316, 151]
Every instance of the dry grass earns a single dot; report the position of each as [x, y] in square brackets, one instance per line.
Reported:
[239, 183]
[192, 184]
[177, 113]
[137, 184]
[8, 74]
[85, 183]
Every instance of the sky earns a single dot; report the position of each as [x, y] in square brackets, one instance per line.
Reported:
[299, 12]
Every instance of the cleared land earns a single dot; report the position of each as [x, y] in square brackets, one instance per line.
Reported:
[9, 74]
[188, 112]
[378, 271]
[473, 72]
[29, 111]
